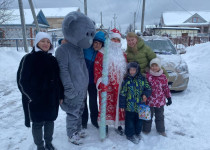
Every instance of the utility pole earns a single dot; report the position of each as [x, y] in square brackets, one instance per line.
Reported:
[34, 15]
[142, 18]
[114, 20]
[85, 7]
[23, 25]
[101, 22]
[111, 24]
[134, 23]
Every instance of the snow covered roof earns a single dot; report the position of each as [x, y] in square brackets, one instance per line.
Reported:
[177, 28]
[172, 18]
[58, 12]
[48, 13]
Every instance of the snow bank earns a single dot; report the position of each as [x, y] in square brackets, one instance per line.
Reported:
[186, 120]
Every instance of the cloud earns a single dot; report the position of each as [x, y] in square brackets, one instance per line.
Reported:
[124, 9]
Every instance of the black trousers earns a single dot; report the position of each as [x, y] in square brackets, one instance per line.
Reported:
[93, 106]
[133, 124]
[159, 120]
[37, 133]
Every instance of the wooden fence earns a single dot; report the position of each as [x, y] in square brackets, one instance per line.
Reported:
[189, 41]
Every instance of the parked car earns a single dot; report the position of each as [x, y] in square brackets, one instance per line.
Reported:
[171, 60]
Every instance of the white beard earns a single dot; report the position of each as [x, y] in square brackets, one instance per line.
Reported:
[117, 62]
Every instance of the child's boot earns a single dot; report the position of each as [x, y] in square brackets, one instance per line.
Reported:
[138, 136]
[133, 139]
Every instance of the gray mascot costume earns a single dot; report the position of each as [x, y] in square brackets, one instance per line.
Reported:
[78, 31]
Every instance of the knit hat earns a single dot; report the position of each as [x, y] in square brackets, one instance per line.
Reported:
[115, 34]
[100, 36]
[155, 61]
[39, 37]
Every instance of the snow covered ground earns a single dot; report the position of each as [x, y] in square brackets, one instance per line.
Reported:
[187, 119]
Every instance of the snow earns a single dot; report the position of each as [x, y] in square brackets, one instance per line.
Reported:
[187, 119]
[48, 12]
[179, 17]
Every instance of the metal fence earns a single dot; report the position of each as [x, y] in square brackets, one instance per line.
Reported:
[18, 42]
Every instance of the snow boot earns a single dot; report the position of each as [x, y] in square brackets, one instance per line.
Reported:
[145, 132]
[163, 134]
[82, 133]
[49, 147]
[133, 139]
[119, 131]
[95, 124]
[107, 130]
[138, 137]
[75, 139]
[40, 148]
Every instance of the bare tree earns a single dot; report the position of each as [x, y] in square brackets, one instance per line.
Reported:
[129, 29]
[5, 10]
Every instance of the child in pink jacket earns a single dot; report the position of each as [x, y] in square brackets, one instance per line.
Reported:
[160, 91]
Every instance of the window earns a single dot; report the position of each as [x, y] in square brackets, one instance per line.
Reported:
[1, 34]
[205, 29]
[194, 19]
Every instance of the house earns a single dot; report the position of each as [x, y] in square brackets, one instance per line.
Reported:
[11, 30]
[191, 19]
[55, 16]
[175, 31]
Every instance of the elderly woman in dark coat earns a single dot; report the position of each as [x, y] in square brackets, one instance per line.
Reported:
[39, 82]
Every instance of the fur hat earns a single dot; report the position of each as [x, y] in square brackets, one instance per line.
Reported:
[39, 37]
[155, 61]
[115, 34]
[133, 65]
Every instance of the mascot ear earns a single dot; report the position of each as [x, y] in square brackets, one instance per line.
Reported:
[69, 19]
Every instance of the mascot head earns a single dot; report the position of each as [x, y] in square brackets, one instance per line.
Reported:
[78, 29]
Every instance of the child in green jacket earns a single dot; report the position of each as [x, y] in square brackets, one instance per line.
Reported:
[134, 91]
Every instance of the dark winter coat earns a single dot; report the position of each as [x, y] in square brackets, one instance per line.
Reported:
[90, 55]
[39, 82]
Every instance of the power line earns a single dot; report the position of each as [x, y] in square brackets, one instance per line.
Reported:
[139, 6]
[80, 1]
[181, 6]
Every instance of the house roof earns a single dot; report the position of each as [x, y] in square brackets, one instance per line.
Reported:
[48, 13]
[172, 18]
[176, 28]
[58, 12]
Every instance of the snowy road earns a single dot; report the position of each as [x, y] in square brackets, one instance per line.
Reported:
[187, 119]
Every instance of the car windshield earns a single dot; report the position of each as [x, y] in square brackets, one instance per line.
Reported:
[161, 46]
